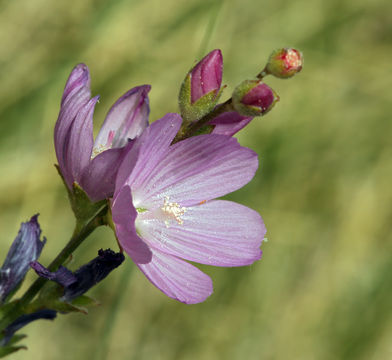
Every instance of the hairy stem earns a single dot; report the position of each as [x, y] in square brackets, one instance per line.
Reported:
[193, 128]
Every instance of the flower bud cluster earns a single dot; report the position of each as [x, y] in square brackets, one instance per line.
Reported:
[203, 86]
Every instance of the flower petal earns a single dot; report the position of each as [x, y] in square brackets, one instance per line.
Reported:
[127, 119]
[76, 95]
[177, 279]
[220, 233]
[196, 169]
[229, 123]
[148, 150]
[80, 143]
[99, 177]
[206, 76]
[124, 215]
[79, 78]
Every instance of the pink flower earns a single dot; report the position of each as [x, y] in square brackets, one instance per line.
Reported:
[94, 165]
[164, 210]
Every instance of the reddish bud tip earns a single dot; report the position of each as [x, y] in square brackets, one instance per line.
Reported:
[254, 98]
[261, 96]
[284, 63]
[206, 76]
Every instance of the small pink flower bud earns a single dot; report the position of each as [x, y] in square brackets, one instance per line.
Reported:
[201, 88]
[284, 63]
[206, 76]
[254, 98]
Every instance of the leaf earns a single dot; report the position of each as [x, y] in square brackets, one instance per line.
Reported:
[7, 350]
[65, 307]
[16, 338]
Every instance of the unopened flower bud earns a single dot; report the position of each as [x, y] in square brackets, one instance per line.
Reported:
[201, 88]
[253, 98]
[78, 282]
[284, 63]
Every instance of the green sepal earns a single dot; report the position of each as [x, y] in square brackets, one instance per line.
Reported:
[66, 307]
[57, 305]
[81, 205]
[80, 304]
[191, 112]
[85, 301]
[83, 208]
[239, 92]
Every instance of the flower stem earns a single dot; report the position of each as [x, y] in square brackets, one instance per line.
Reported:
[193, 128]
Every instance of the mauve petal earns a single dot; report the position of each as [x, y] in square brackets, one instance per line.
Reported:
[211, 72]
[229, 123]
[196, 169]
[148, 151]
[79, 77]
[261, 96]
[177, 279]
[76, 95]
[127, 119]
[80, 144]
[99, 177]
[62, 275]
[206, 76]
[124, 215]
[220, 233]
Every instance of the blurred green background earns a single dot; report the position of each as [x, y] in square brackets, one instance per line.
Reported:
[323, 288]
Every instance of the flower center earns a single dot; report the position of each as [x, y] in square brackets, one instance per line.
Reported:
[97, 150]
[293, 60]
[173, 211]
[103, 147]
[168, 213]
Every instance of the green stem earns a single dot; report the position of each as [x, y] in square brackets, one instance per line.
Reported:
[262, 74]
[194, 128]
